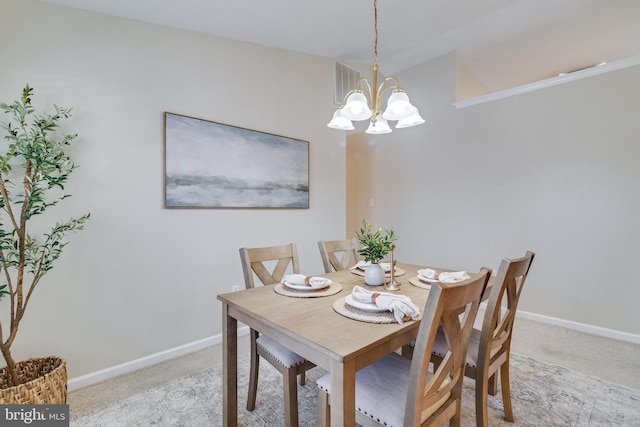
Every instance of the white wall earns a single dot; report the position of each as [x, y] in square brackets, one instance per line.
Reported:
[554, 171]
[142, 279]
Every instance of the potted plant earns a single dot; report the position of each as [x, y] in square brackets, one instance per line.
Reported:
[375, 246]
[34, 167]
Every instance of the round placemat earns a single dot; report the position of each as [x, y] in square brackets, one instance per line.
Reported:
[419, 283]
[332, 289]
[341, 307]
[399, 272]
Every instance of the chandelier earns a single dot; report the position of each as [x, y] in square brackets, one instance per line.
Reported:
[363, 102]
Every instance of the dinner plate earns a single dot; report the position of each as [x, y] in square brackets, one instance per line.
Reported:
[366, 306]
[426, 279]
[305, 287]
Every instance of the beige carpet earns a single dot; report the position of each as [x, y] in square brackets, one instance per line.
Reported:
[543, 395]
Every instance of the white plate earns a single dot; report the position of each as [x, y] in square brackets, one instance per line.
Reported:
[366, 306]
[305, 287]
[426, 279]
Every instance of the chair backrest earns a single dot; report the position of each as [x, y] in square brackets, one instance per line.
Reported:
[330, 250]
[452, 308]
[259, 260]
[495, 337]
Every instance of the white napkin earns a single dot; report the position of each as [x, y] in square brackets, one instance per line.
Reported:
[386, 266]
[361, 265]
[444, 277]
[400, 305]
[301, 280]
[453, 276]
[428, 273]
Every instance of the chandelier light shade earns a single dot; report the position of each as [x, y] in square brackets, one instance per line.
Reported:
[356, 107]
[413, 120]
[363, 102]
[380, 126]
[339, 122]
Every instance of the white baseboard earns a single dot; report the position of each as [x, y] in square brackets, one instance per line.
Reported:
[144, 362]
[581, 327]
[134, 365]
[576, 326]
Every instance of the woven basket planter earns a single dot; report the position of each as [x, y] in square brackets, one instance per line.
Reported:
[43, 382]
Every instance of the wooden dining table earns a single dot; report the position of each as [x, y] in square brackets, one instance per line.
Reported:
[313, 329]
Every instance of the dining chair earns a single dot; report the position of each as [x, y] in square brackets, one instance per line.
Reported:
[270, 264]
[396, 391]
[338, 254]
[490, 347]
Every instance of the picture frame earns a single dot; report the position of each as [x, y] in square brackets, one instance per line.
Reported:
[214, 165]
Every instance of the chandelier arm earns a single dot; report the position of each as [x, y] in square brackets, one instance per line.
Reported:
[366, 82]
[359, 88]
[395, 85]
[382, 89]
[366, 90]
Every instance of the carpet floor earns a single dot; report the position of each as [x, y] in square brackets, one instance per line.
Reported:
[542, 395]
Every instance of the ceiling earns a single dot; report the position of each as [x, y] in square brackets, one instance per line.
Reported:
[505, 43]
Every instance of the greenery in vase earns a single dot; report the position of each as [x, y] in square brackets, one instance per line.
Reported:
[375, 244]
[34, 167]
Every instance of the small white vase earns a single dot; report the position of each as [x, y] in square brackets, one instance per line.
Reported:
[374, 275]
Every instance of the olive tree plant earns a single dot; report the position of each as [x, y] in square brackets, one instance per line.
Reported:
[34, 166]
[375, 244]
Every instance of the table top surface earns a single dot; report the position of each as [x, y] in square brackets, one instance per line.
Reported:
[314, 322]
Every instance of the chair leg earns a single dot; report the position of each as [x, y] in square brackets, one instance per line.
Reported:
[493, 384]
[290, 398]
[456, 419]
[324, 410]
[407, 351]
[302, 378]
[482, 388]
[506, 391]
[253, 374]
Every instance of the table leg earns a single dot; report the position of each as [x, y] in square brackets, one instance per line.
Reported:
[343, 394]
[229, 368]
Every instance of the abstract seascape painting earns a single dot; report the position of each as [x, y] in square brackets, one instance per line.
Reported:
[213, 165]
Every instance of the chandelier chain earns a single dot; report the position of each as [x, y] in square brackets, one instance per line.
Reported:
[375, 32]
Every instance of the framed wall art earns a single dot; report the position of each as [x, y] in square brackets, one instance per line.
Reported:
[214, 165]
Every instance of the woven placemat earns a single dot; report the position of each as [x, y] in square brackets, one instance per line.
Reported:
[399, 272]
[332, 289]
[419, 283]
[341, 307]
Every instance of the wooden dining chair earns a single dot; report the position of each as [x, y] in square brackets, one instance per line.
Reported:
[396, 391]
[490, 347]
[338, 254]
[270, 264]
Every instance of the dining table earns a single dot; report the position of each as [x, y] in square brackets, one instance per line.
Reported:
[314, 328]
